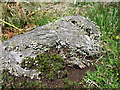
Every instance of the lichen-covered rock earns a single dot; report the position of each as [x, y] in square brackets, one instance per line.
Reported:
[74, 37]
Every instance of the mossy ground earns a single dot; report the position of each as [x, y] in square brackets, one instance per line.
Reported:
[51, 65]
[11, 81]
[69, 81]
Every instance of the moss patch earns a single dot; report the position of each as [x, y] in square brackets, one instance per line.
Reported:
[11, 81]
[51, 65]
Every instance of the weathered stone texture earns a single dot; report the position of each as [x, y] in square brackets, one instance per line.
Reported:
[76, 33]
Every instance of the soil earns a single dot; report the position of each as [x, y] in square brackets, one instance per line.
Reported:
[74, 74]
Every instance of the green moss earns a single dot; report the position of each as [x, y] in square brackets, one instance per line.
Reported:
[10, 81]
[51, 65]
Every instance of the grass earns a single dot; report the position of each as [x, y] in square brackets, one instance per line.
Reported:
[106, 74]
[106, 16]
[30, 15]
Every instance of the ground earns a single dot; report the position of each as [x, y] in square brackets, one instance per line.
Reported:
[73, 80]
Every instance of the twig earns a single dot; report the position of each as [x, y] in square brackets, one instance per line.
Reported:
[99, 58]
[10, 25]
[91, 82]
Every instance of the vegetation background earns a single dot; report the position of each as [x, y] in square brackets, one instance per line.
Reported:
[21, 17]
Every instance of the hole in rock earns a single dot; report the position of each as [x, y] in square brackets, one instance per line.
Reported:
[74, 22]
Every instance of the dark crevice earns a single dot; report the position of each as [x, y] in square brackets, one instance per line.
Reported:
[74, 22]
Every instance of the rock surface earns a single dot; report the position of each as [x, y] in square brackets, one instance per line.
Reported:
[75, 37]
